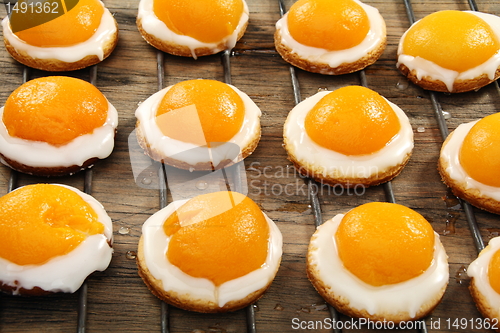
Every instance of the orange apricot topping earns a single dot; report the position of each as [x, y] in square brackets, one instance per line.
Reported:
[328, 24]
[218, 236]
[385, 243]
[480, 151]
[353, 120]
[494, 271]
[452, 39]
[42, 221]
[209, 21]
[54, 109]
[71, 28]
[200, 112]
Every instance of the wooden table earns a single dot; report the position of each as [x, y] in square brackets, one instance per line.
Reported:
[118, 301]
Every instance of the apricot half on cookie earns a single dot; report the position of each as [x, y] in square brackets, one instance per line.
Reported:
[451, 51]
[469, 162]
[330, 36]
[52, 237]
[192, 28]
[380, 261]
[215, 252]
[56, 125]
[65, 37]
[198, 125]
[349, 136]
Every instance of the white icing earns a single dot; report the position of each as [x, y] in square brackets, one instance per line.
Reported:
[336, 58]
[189, 152]
[478, 270]
[155, 248]
[93, 46]
[406, 296]
[155, 27]
[426, 68]
[65, 273]
[335, 164]
[451, 154]
[98, 144]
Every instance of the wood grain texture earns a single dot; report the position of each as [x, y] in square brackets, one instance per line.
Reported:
[118, 300]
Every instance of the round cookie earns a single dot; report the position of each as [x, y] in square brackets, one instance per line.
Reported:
[480, 191]
[348, 149]
[60, 54]
[197, 132]
[340, 56]
[53, 237]
[48, 130]
[451, 51]
[486, 297]
[217, 278]
[399, 286]
[174, 35]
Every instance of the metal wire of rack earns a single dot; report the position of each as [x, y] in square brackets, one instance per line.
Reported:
[87, 188]
[443, 128]
[164, 309]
